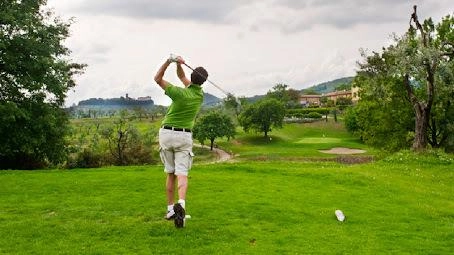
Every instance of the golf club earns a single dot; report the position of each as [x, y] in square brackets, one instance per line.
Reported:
[212, 83]
[173, 56]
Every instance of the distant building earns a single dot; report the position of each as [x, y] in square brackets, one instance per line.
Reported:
[306, 100]
[147, 98]
[338, 94]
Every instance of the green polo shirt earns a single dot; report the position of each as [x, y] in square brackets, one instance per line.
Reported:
[186, 103]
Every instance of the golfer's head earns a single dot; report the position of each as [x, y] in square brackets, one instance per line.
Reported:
[199, 75]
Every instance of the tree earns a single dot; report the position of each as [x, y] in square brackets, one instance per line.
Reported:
[126, 145]
[263, 115]
[382, 121]
[279, 92]
[289, 97]
[294, 98]
[35, 75]
[157, 111]
[343, 102]
[233, 103]
[118, 136]
[213, 125]
[140, 112]
[413, 69]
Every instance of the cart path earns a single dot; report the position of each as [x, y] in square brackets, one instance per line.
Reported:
[222, 156]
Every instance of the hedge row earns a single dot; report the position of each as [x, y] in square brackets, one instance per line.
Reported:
[304, 111]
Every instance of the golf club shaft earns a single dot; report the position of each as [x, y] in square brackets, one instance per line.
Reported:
[223, 91]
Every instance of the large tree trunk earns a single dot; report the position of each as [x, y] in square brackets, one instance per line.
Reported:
[422, 114]
[421, 124]
[422, 107]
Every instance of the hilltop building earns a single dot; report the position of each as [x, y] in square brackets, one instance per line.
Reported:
[147, 98]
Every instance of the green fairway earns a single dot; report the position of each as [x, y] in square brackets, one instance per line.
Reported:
[311, 140]
[294, 141]
[242, 208]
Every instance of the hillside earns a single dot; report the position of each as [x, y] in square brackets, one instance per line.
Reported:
[321, 88]
[210, 100]
[119, 102]
[329, 86]
[127, 102]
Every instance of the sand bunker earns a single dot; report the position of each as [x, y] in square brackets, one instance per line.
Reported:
[342, 151]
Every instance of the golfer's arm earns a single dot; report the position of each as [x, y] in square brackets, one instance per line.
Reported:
[158, 77]
[182, 75]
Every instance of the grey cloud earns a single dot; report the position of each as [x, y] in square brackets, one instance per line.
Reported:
[339, 3]
[289, 16]
[348, 13]
[343, 14]
[201, 10]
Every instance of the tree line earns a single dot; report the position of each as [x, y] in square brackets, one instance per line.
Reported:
[122, 101]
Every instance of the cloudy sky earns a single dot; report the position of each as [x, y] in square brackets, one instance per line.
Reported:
[247, 46]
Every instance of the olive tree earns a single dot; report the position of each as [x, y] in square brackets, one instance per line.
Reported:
[416, 69]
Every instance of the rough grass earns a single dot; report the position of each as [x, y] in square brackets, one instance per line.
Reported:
[242, 208]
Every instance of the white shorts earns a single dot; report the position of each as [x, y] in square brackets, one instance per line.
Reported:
[176, 151]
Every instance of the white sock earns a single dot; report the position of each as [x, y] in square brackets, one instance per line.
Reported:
[170, 208]
[182, 202]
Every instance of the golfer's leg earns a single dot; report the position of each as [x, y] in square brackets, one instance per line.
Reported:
[182, 186]
[183, 163]
[170, 189]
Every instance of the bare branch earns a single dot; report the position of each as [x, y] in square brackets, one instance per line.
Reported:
[414, 18]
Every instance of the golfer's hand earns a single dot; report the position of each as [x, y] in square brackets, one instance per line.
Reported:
[173, 58]
[179, 60]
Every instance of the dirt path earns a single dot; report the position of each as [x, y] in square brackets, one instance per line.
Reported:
[223, 156]
[342, 151]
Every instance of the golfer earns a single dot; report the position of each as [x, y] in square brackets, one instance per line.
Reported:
[175, 136]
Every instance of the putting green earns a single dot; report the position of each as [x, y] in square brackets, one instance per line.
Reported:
[319, 140]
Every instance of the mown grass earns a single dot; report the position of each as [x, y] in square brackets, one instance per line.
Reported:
[243, 208]
[262, 203]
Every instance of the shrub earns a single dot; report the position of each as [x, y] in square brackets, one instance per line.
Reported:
[86, 159]
[314, 115]
[304, 111]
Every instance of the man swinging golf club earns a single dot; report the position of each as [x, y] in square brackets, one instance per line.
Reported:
[175, 137]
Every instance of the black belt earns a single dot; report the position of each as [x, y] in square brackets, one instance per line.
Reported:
[177, 129]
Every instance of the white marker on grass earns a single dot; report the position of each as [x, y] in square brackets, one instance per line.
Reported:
[339, 215]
